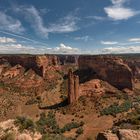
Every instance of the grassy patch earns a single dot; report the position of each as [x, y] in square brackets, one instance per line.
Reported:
[116, 108]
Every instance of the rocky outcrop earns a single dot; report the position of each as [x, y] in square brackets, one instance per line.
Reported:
[73, 87]
[108, 135]
[122, 134]
[13, 72]
[92, 87]
[108, 68]
[125, 134]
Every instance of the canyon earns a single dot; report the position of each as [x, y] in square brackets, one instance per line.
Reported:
[75, 87]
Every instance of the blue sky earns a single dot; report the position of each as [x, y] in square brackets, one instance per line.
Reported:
[70, 26]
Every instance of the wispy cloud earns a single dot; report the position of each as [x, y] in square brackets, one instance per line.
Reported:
[63, 25]
[120, 49]
[134, 40]
[118, 11]
[109, 42]
[23, 38]
[99, 18]
[84, 38]
[8, 23]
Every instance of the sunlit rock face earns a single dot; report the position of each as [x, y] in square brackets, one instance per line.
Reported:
[28, 71]
[109, 68]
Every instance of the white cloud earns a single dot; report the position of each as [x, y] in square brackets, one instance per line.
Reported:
[84, 38]
[16, 48]
[119, 49]
[134, 39]
[63, 25]
[118, 12]
[11, 46]
[10, 24]
[7, 40]
[65, 49]
[109, 42]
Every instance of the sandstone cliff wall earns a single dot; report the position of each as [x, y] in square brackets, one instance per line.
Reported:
[37, 63]
[109, 68]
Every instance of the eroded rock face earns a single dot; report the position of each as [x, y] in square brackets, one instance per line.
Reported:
[110, 69]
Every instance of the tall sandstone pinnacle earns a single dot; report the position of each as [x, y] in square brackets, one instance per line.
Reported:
[73, 87]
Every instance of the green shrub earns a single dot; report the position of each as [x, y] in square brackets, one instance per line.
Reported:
[54, 137]
[1, 84]
[25, 123]
[137, 98]
[48, 121]
[79, 131]
[71, 125]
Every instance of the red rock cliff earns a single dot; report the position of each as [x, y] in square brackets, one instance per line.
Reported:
[109, 68]
[38, 63]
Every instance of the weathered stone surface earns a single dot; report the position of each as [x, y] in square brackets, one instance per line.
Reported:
[111, 69]
[107, 136]
[127, 134]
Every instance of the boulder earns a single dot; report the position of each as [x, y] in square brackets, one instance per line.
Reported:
[122, 134]
[128, 134]
[107, 136]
